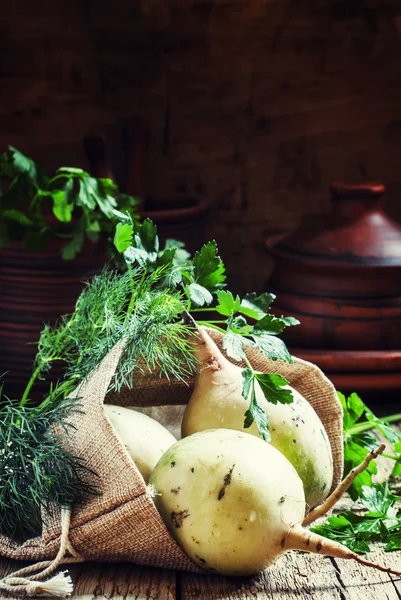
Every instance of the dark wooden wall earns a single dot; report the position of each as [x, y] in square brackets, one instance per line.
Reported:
[257, 104]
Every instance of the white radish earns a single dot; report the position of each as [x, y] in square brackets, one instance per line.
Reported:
[234, 503]
[145, 439]
[295, 429]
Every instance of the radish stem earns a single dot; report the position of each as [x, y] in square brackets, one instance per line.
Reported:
[340, 490]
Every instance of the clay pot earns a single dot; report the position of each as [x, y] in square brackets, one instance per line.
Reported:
[340, 275]
[36, 288]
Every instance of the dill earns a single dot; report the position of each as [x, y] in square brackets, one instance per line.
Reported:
[36, 472]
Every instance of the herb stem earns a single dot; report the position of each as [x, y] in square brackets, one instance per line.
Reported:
[367, 425]
[211, 309]
[213, 321]
[30, 383]
[392, 456]
[248, 364]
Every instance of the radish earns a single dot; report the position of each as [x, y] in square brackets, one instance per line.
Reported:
[295, 429]
[144, 438]
[230, 513]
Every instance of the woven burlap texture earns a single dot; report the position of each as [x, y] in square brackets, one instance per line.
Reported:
[122, 523]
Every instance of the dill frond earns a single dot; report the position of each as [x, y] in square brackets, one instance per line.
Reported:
[133, 306]
[35, 470]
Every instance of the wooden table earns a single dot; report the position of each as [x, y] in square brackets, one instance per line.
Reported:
[296, 576]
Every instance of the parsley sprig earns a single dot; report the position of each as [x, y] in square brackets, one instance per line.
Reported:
[359, 439]
[380, 523]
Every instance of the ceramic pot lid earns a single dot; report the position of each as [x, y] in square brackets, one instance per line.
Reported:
[356, 231]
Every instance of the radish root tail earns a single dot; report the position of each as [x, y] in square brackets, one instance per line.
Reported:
[302, 539]
[320, 511]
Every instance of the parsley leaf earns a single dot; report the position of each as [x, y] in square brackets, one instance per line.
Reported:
[123, 236]
[274, 387]
[233, 344]
[74, 247]
[273, 347]
[199, 295]
[259, 304]
[254, 413]
[208, 268]
[23, 164]
[227, 305]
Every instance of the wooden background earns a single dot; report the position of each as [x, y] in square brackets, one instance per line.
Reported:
[257, 104]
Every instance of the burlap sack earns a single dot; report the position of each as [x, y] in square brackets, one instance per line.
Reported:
[122, 524]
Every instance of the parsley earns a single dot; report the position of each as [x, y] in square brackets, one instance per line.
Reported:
[381, 522]
[69, 205]
[359, 440]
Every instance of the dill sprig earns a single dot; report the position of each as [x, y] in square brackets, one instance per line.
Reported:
[117, 306]
[36, 472]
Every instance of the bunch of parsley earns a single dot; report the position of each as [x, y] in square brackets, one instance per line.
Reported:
[380, 521]
[71, 205]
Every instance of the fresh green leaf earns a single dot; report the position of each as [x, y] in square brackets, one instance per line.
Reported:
[273, 347]
[22, 164]
[379, 523]
[290, 321]
[74, 247]
[393, 542]
[87, 194]
[208, 268]
[72, 171]
[123, 236]
[354, 454]
[270, 324]
[199, 295]
[16, 215]
[108, 187]
[353, 408]
[378, 499]
[239, 325]
[227, 304]
[233, 344]
[247, 376]
[62, 209]
[275, 388]
[386, 430]
[181, 255]
[136, 255]
[147, 233]
[358, 440]
[259, 304]
[254, 413]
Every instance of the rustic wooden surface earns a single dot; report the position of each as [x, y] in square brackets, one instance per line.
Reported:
[296, 576]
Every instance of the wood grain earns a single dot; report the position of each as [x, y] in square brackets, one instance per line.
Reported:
[122, 581]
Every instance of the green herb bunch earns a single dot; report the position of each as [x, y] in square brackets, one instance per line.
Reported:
[71, 205]
[144, 305]
[375, 517]
[360, 426]
[35, 470]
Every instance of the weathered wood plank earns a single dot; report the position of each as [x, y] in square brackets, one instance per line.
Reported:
[113, 581]
[364, 583]
[294, 577]
[302, 577]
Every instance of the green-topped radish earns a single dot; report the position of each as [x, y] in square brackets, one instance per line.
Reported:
[145, 439]
[295, 429]
[234, 503]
